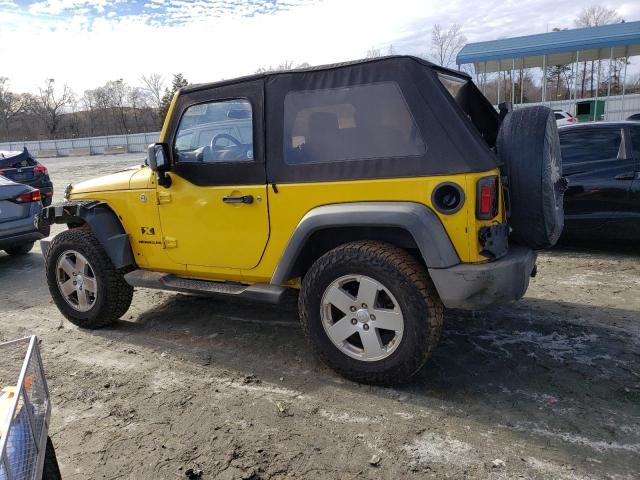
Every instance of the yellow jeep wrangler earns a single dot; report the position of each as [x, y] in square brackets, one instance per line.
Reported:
[383, 190]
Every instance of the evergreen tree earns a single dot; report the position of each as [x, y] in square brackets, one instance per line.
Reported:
[176, 84]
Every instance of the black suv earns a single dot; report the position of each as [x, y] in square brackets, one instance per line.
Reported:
[21, 167]
[602, 163]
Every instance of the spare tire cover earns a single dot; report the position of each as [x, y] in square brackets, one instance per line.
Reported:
[529, 147]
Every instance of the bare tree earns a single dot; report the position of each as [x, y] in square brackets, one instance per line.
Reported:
[11, 104]
[89, 103]
[592, 17]
[137, 99]
[117, 93]
[373, 52]
[285, 65]
[154, 85]
[446, 43]
[49, 105]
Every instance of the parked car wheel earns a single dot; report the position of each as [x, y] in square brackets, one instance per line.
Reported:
[50, 470]
[84, 284]
[19, 249]
[371, 312]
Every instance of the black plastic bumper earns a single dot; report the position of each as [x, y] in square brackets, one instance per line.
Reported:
[20, 239]
[476, 286]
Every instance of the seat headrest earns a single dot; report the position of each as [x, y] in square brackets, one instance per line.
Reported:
[322, 124]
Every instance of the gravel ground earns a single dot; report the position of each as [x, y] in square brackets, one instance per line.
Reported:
[545, 388]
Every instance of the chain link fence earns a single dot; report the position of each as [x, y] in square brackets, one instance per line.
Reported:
[24, 410]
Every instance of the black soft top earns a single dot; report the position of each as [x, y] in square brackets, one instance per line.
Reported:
[459, 125]
[379, 62]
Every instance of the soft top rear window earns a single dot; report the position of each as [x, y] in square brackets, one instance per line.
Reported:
[475, 106]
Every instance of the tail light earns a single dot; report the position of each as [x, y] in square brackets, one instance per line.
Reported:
[571, 119]
[26, 197]
[487, 201]
[41, 169]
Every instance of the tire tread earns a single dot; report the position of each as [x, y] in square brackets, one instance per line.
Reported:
[119, 292]
[392, 259]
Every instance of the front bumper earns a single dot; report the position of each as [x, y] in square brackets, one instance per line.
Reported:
[476, 286]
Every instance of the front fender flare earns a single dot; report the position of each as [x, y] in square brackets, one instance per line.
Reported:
[419, 220]
[104, 224]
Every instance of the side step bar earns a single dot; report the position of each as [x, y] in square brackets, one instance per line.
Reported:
[260, 292]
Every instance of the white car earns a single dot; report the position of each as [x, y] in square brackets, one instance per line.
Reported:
[564, 118]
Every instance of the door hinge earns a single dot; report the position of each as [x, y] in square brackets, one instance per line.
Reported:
[164, 197]
[169, 242]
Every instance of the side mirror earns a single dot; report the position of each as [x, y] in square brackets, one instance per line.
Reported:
[157, 157]
[158, 161]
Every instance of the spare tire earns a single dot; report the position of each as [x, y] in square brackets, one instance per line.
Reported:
[529, 147]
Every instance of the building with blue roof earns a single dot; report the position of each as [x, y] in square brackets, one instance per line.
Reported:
[566, 47]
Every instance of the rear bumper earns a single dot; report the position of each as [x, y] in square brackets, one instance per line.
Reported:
[478, 286]
[20, 239]
[23, 230]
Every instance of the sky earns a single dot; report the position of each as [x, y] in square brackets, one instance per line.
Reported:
[85, 43]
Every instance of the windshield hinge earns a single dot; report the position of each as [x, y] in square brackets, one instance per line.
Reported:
[164, 197]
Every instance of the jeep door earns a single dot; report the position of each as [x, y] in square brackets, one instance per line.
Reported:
[215, 212]
[599, 167]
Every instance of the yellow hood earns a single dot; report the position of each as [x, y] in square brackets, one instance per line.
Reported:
[115, 181]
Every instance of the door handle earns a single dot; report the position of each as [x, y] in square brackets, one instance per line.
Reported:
[242, 199]
[626, 176]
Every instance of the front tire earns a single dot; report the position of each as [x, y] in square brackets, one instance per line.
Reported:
[371, 312]
[84, 284]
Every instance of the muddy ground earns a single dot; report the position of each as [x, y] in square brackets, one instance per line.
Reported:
[546, 388]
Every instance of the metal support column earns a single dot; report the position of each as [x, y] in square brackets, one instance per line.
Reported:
[575, 85]
[624, 80]
[484, 79]
[609, 86]
[522, 81]
[513, 84]
[544, 79]
[595, 107]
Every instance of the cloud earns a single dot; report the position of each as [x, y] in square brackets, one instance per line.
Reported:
[87, 42]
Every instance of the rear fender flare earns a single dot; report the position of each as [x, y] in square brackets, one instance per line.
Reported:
[104, 224]
[419, 220]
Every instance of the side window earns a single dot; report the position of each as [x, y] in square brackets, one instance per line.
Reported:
[635, 141]
[216, 132]
[349, 123]
[558, 116]
[590, 144]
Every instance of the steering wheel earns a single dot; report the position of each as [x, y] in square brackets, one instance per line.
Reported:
[220, 136]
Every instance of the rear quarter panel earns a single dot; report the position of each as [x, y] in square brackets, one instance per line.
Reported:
[293, 201]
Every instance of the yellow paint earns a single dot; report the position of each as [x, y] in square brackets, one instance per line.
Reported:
[165, 125]
[239, 242]
[211, 233]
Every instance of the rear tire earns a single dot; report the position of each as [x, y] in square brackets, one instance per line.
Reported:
[529, 146]
[19, 249]
[77, 254]
[401, 285]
